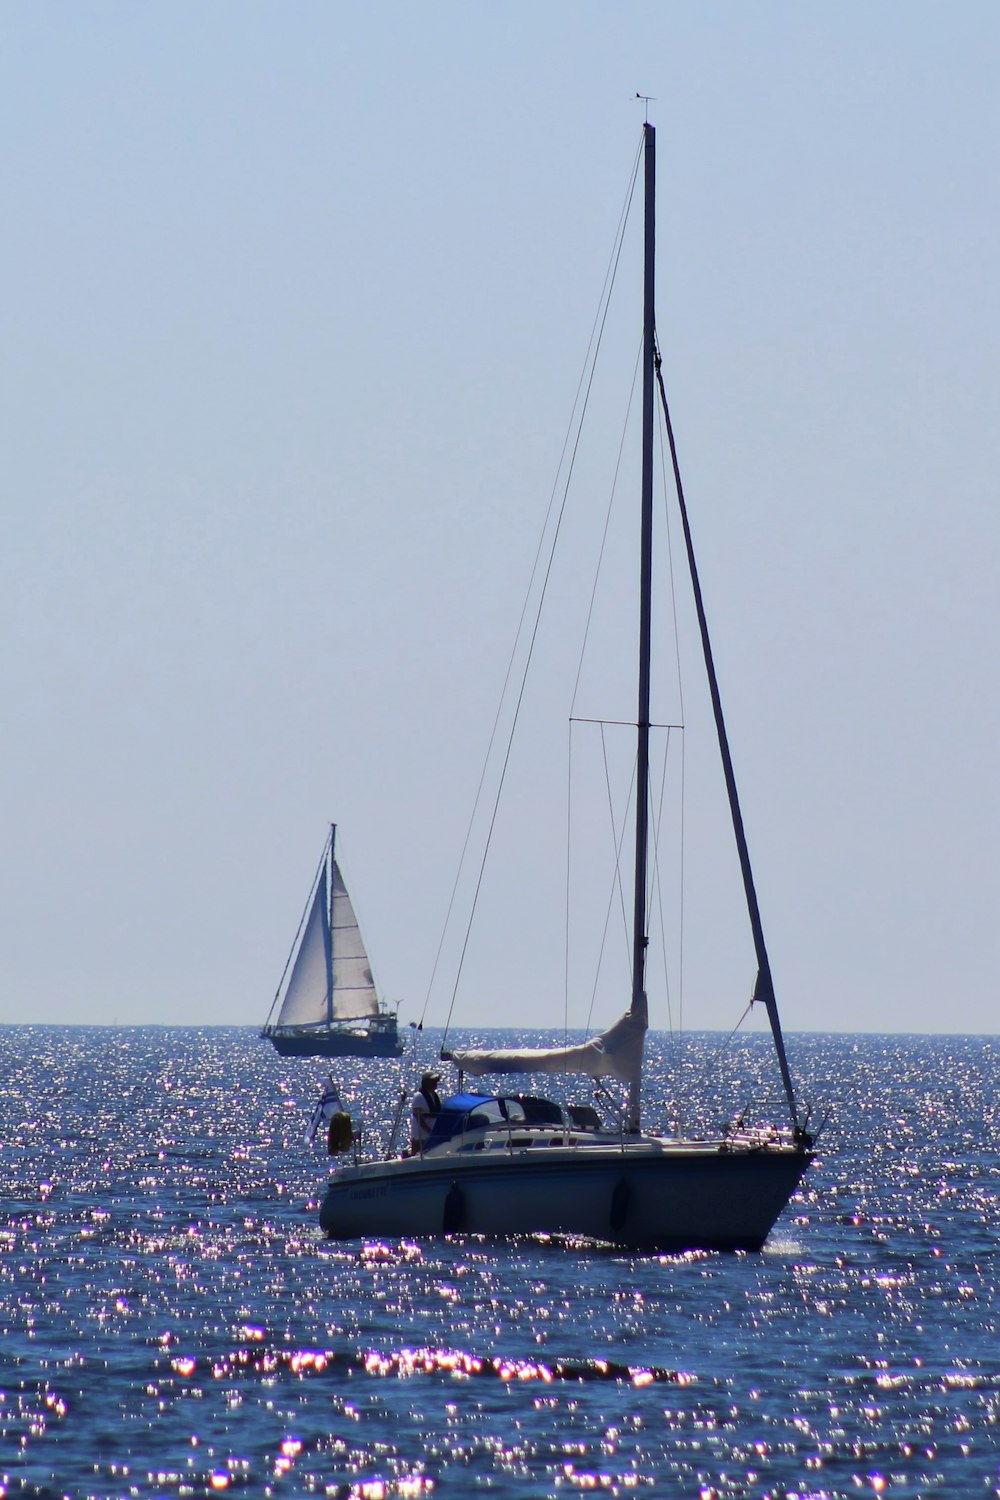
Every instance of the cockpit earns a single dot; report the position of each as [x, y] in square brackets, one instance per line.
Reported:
[466, 1113]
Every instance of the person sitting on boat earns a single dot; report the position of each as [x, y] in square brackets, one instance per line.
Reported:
[424, 1105]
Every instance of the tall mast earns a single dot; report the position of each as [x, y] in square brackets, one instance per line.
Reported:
[329, 951]
[638, 1008]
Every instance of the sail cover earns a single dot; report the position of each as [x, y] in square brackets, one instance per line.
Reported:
[354, 993]
[616, 1053]
[307, 998]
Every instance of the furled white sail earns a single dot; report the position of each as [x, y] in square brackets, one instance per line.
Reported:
[307, 998]
[353, 987]
[616, 1053]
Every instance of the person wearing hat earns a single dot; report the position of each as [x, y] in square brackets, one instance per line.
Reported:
[424, 1105]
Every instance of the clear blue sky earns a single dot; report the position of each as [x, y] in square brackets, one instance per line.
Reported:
[296, 298]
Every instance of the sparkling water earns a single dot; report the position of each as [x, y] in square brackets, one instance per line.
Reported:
[173, 1323]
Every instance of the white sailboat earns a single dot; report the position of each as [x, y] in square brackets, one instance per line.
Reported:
[514, 1163]
[326, 1004]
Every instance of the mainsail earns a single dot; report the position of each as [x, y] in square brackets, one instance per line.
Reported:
[353, 987]
[616, 1053]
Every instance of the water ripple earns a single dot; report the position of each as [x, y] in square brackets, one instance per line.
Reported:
[172, 1323]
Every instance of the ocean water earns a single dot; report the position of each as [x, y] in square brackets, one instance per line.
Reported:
[172, 1322]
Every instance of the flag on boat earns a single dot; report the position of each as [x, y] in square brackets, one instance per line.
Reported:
[327, 1106]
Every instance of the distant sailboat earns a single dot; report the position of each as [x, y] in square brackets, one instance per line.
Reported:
[329, 1006]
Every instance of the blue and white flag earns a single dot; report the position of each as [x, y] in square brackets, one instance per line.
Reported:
[328, 1105]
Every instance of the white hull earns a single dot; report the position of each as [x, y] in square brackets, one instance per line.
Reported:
[646, 1193]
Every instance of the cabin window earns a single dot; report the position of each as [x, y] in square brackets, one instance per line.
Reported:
[540, 1111]
[585, 1116]
[488, 1113]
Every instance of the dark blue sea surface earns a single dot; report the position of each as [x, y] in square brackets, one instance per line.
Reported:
[173, 1323]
